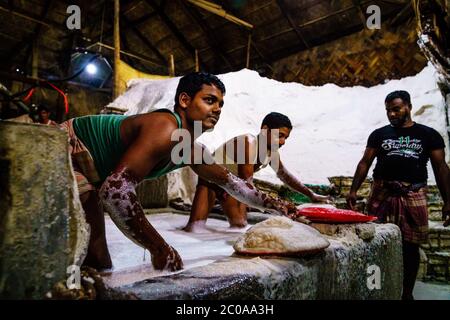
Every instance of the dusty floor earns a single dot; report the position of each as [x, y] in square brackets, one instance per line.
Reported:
[431, 291]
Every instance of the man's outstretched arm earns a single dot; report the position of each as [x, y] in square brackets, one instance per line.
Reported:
[295, 184]
[442, 175]
[240, 189]
[361, 173]
[118, 195]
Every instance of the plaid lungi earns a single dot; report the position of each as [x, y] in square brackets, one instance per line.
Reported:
[82, 161]
[403, 204]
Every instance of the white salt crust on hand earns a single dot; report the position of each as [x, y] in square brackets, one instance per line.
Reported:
[280, 235]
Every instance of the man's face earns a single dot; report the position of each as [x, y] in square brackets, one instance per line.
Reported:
[397, 112]
[205, 106]
[43, 115]
[280, 138]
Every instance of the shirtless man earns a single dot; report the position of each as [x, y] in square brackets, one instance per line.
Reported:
[275, 126]
[127, 149]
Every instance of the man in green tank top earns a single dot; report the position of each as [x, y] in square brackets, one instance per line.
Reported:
[125, 150]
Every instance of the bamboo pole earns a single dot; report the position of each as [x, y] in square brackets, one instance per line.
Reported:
[35, 60]
[217, 9]
[197, 66]
[249, 43]
[126, 53]
[116, 48]
[172, 66]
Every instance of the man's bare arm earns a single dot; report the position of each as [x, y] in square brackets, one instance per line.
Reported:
[360, 175]
[295, 184]
[442, 175]
[118, 194]
[242, 190]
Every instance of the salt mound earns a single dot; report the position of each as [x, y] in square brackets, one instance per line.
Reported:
[331, 124]
[280, 235]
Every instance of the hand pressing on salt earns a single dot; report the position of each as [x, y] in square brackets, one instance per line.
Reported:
[167, 259]
[283, 207]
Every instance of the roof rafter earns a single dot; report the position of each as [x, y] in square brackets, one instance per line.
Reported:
[215, 46]
[286, 12]
[144, 39]
[173, 28]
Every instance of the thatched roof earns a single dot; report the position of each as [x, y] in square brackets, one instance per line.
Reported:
[152, 30]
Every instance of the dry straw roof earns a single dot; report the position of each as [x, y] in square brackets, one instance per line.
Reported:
[152, 30]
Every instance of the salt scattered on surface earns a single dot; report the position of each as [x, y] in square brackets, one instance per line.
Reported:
[196, 249]
[331, 123]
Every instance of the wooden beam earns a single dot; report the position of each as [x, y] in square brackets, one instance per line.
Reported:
[116, 83]
[405, 13]
[282, 53]
[285, 52]
[129, 53]
[286, 12]
[247, 62]
[109, 32]
[263, 56]
[29, 41]
[35, 18]
[218, 10]
[197, 66]
[310, 22]
[212, 40]
[42, 82]
[362, 16]
[144, 40]
[173, 28]
[131, 61]
[172, 66]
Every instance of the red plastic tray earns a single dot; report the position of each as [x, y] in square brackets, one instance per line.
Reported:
[332, 215]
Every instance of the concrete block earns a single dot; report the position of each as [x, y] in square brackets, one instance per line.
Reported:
[42, 226]
[342, 271]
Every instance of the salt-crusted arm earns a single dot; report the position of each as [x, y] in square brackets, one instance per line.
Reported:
[243, 191]
[118, 194]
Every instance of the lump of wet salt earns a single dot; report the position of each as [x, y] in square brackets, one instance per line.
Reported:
[280, 236]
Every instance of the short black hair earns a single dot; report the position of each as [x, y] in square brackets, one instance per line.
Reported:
[42, 107]
[193, 82]
[276, 120]
[402, 94]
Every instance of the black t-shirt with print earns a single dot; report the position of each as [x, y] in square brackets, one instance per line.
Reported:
[403, 153]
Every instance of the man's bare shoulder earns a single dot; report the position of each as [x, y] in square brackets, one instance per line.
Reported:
[161, 122]
[154, 127]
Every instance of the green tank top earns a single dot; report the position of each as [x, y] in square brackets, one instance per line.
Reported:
[101, 135]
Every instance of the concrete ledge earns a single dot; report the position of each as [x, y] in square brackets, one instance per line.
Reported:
[42, 225]
[340, 272]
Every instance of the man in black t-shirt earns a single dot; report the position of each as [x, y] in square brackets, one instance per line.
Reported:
[398, 193]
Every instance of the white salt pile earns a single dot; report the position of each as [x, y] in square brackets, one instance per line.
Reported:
[331, 124]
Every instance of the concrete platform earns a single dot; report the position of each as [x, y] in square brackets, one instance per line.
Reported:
[213, 271]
